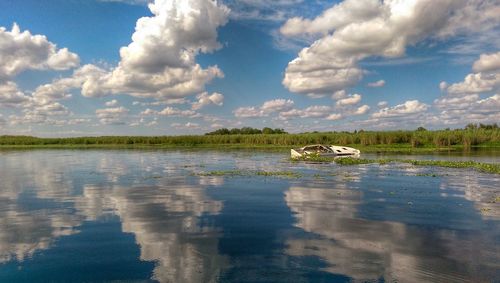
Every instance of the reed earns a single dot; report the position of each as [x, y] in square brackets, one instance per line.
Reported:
[465, 138]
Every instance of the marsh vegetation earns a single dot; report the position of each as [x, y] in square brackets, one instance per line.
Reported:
[367, 141]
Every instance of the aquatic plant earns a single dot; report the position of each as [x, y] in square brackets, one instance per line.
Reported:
[286, 174]
[483, 167]
[364, 140]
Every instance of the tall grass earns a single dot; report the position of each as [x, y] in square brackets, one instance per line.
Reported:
[441, 138]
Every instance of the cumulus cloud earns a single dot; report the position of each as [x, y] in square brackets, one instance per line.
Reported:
[382, 104]
[485, 79]
[456, 110]
[112, 116]
[443, 85]
[333, 117]
[248, 112]
[379, 83]
[20, 51]
[111, 103]
[361, 110]
[354, 30]
[487, 63]
[171, 111]
[339, 94]
[11, 96]
[188, 125]
[204, 99]
[160, 61]
[315, 111]
[268, 107]
[349, 100]
[476, 83]
[277, 105]
[409, 107]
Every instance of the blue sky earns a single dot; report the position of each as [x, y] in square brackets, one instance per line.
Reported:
[72, 68]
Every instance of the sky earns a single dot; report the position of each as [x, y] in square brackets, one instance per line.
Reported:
[172, 67]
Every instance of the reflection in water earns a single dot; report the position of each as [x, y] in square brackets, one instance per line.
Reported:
[167, 226]
[366, 249]
[41, 201]
[370, 222]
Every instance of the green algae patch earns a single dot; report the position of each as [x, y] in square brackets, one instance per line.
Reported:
[492, 168]
[482, 167]
[233, 173]
[285, 174]
[222, 173]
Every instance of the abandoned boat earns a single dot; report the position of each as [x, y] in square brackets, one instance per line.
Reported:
[325, 151]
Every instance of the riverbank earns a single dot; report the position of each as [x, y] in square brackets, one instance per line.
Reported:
[396, 148]
[420, 141]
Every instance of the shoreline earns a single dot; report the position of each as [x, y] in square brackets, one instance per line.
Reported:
[395, 148]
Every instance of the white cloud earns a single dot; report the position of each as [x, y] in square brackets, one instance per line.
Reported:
[354, 30]
[457, 102]
[459, 110]
[361, 110]
[277, 105]
[112, 116]
[409, 107]
[476, 83]
[111, 103]
[175, 112]
[379, 83]
[339, 94]
[205, 99]
[272, 106]
[350, 100]
[248, 112]
[382, 104]
[315, 111]
[443, 85]
[160, 61]
[485, 79]
[11, 96]
[487, 63]
[188, 125]
[336, 17]
[20, 51]
[333, 117]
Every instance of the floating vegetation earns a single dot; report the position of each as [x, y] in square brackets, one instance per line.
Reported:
[493, 168]
[283, 174]
[287, 174]
[483, 167]
[152, 177]
[426, 175]
[353, 161]
[222, 173]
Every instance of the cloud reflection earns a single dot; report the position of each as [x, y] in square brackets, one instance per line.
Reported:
[368, 250]
[45, 197]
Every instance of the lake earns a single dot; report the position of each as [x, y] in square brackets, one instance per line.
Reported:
[228, 216]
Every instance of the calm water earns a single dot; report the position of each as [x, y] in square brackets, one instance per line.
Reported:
[145, 216]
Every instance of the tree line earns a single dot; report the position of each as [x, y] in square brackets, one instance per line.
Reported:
[246, 131]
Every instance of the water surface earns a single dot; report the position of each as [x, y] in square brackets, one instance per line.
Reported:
[146, 216]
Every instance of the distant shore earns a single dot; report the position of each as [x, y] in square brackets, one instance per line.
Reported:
[366, 141]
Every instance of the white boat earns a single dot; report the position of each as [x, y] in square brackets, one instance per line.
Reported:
[324, 151]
